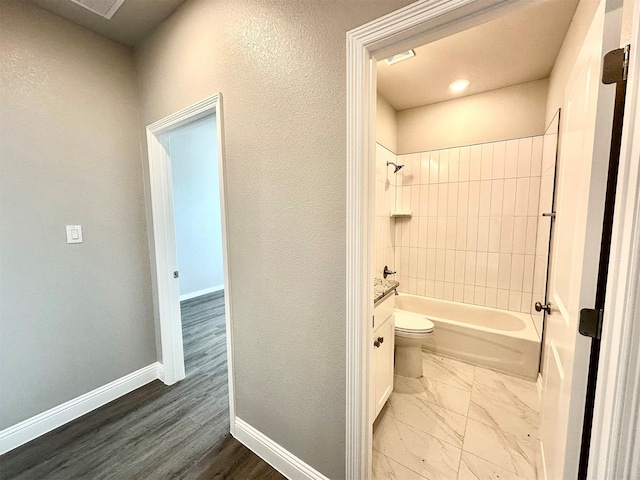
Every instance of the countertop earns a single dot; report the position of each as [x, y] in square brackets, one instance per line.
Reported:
[382, 287]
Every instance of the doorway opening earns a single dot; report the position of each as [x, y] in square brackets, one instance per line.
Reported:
[418, 24]
[188, 197]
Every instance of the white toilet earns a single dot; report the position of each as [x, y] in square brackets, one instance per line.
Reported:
[412, 330]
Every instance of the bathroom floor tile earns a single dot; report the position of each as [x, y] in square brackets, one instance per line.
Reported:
[416, 412]
[420, 452]
[407, 385]
[475, 468]
[447, 370]
[446, 396]
[508, 389]
[386, 469]
[505, 450]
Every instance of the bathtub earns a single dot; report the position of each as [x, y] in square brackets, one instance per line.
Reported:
[499, 339]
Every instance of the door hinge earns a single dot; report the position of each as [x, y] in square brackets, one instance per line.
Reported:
[591, 322]
[176, 274]
[616, 65]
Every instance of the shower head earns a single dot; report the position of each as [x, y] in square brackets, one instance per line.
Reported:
[396, 166]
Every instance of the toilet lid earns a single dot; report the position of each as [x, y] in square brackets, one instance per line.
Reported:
[413, 323]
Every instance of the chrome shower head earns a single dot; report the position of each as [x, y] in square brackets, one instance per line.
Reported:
[396, 166]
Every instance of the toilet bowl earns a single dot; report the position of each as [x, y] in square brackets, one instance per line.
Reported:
[411, 332]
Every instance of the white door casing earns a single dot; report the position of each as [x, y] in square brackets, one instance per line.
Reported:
[168, 307]
[583, 162]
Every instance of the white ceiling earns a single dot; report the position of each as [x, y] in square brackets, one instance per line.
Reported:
[516, 48]
[130, 24]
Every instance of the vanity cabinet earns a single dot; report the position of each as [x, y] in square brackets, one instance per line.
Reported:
[381, 379]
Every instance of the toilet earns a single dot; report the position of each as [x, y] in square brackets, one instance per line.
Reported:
[412, 330]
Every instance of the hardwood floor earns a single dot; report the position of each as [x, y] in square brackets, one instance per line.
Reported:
[155, 432]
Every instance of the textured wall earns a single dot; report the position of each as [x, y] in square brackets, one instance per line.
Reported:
[511, 112]
[281, 69]
[196, 206]
[73, 317]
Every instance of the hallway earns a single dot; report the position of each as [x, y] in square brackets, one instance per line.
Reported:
[157, 431]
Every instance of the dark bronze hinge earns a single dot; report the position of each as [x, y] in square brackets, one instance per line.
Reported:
[591, 322]
[616, 65]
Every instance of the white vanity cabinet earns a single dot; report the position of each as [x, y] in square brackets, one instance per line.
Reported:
[381, 379]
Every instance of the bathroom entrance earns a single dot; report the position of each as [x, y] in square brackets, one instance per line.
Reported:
[456, 216]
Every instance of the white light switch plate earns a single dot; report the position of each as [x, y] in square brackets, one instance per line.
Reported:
[74, 233]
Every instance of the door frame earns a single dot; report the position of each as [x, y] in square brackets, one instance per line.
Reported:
[164, 240]
[421, 22]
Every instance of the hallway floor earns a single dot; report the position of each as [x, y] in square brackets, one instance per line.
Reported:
[155, 432]
[458, 421]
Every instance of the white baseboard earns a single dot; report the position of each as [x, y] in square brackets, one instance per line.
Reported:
[279, 458]
[189, 296]
[44, 422]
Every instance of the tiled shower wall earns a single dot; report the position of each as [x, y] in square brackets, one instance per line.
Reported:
[472, 234]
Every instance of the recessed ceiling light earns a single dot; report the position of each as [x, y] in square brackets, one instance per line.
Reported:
[400, 57]
[459, 85]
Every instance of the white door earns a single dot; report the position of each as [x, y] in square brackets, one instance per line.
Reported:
[582, 167]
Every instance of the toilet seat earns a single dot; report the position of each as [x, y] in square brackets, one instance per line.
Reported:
[409, 323]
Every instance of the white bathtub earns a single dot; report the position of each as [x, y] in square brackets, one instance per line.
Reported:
[498, 339]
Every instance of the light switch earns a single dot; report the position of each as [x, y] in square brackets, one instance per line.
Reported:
[74, 233]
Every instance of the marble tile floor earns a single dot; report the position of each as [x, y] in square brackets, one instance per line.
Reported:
[458, 421]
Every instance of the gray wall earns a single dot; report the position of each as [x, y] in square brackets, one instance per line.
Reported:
[196, 206]
[73, 317]
[281, 69]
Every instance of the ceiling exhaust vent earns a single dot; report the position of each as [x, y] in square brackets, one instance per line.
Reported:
[104, 8]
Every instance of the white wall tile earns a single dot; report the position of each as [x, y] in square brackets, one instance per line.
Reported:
[414, 227]
[454, 164]
[515, 300]
[439, 290]
[432, 232]
[458, 292]
[463, 199]
[423, 208]
[422, 231]
[534, 195]
[519, 234]
[474, 199]
[522, 197]
[420, 286]
[421, 271]
[472, 233]
[443, 167]
[443, 197]
[440, 264]
[497, 190]
[451, 233]
[469, 293]
[463, 171]
[499, 152]
[517, 272]
[525, 146]
[450, 266]
[484, 204]
[481, 269]
[470, 268]
[411, 285]
[452, 199]
[526, 303]
[460, 263]
[506, 235]
[504, 271]
[403, 268]
[509, 197]
[442, 233]
[475, 162]
[479, 295]
[483, 234]
[424, 168]
[536, 156]
[448, 291]
[527, 278]
[413, 262]
[429, 288]
[433, 200]
[492, 269]
[434, 160]
[461, 233]
[486, 168]
[431, 264]
[511, 159]
[491, 297]
[530, 243]
[495, 232]
[502, 300]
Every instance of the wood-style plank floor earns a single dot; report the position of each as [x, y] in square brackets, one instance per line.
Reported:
[155, 432]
